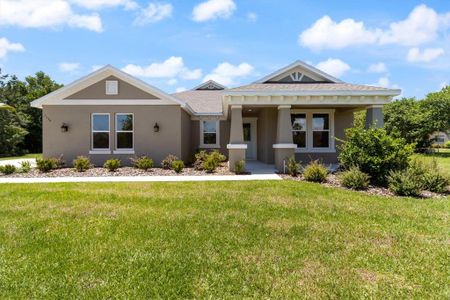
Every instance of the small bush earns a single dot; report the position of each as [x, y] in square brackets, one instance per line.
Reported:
[112, 164]
[47, 164]
[447, 145]
[25, 166]
[178, 166]
[239, 167]
[200, 158]
[210, 164]
[434, 181]
[142, 163]
[8, 169]
[82, 163]
[217, 156]
[354, 179]
[315, 172]
[405, 183]
[293, 167]
[167, 162]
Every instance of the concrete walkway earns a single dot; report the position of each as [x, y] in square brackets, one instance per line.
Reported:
[143, 178]
[16, 162]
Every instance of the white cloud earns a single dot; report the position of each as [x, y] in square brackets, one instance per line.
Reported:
[154, 12]
[96, 67]
[443, 84]
[213, 9]
[6, 46]
[385, 82]
[377, 68]
[180, 89]
[421, 26]
[252, 17]
[333, 66]
[226, 73]
[170, 68]
[172, 81]
[99, 4]
[68, 67]
[44, 13]
[427, 55]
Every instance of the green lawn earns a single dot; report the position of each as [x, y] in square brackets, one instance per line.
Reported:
[219, 240]
[442, 158]
[31, 155]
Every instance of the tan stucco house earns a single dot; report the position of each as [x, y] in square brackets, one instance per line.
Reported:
[297, 110]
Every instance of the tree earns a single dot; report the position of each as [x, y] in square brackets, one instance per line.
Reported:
[437, 108]
[12, 132]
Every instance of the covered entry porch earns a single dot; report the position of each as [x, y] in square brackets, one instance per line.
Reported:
[272, 133]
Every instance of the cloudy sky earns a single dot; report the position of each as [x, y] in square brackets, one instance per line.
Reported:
[176, 44]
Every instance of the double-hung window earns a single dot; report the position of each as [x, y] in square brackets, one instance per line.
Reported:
[124, 132]
[312, 131]
[209, 134]
[100, 132]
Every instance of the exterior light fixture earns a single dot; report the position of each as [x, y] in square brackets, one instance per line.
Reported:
[156, 127]
[64, 127]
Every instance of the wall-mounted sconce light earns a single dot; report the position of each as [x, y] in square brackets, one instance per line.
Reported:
[64, 127]
[156, 127]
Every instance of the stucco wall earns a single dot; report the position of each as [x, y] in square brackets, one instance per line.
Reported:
[77, 141]
[224, 136]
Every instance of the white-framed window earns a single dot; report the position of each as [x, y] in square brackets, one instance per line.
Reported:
[313, 130]
[124, 133]
[112, 87]
[100, 132]
[209, 134]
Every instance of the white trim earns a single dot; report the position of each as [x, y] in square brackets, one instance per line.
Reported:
[116, 131]
[236, 107]
[315, 150]
[112, 102]
[284, 106]
[390, 92]
[301, 64]
[202, 144]
[207, 83]
[108, 131]
[99, 152]
[111, 87]
[284, 146]
[124, 151]
[237, 146]
[254, 136]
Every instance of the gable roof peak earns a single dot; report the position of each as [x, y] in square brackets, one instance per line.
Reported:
[209, 85]
[303, 65]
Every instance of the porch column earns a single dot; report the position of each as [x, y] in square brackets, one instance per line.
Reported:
[284, 146]
[236, 147]
[374, 116]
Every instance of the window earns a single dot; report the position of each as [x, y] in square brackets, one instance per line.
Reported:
[440, 139]
[321, 130]
[209, 134]
[312, 131]
[247, 132]
[112, 87]
[298, 122]
[100, 131]
[124, 131]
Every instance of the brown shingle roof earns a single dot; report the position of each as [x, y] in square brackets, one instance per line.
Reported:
[202, 101]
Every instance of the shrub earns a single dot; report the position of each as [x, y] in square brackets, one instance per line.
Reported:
[315, 172]
[167, 162]
[210, 164]
[25, 166]
[405, 183]
[112, 164]
[434, 181]
[142, 163]
[354, 179]
[239, 167]
[447, 145]
[374, 152]
[82, 163]
[217, 156]
[293, 167]
[8, 169]
[178, 166]
[200, 158]
[47, 164]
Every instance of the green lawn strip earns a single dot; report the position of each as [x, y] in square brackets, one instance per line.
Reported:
[31, 155]
[442, 159]
[220, 240]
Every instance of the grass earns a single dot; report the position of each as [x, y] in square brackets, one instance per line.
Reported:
[442, 158]
[30, 155]
[273, 239]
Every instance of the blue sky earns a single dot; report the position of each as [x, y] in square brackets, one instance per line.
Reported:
[176, 44]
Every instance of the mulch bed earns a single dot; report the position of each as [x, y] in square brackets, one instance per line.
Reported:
[123, 171]
[332, 181]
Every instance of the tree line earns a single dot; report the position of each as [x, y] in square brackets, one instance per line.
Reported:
[21, 125]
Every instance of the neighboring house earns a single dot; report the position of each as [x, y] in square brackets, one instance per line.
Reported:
[296, 110]
[440, 137]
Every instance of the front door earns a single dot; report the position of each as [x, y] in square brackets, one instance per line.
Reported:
[249, 126]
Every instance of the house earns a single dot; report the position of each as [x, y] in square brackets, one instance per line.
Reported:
[440, 137]
[297, 110]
